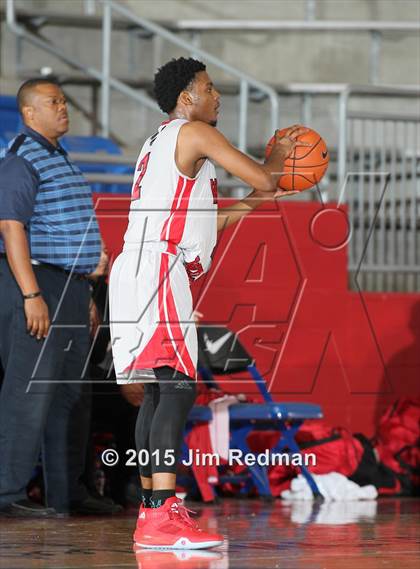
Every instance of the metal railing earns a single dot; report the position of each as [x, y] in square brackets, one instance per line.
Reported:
[223, 25]
[245, 80]
[374, 28]
[378, 177]
[196, 28]
[404, 92]
[380, 182]
[55, 50]
[378, 172]
[109, 6]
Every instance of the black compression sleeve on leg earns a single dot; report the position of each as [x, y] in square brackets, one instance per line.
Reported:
[144, 423]
[177, 396]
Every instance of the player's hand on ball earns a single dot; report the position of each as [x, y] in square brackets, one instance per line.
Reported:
[307, 161]
[288, 141]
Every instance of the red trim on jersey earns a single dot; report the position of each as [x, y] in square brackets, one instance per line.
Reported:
[174, 225]
[167, 121]
[178, 191]
[179, 216]
[167, 346]
[213, 187]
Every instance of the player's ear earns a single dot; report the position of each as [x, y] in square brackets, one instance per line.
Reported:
[186, 98]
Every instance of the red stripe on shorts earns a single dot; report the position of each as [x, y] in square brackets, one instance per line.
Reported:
[167, 346]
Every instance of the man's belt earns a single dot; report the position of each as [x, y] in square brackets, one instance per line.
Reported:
[35, 263]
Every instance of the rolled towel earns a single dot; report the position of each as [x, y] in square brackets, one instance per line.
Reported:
[334, 487]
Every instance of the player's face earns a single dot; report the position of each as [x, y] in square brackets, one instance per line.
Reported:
[206, 100]
[47, 111]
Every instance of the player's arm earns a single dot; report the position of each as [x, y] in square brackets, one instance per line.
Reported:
[18, 188]
[18, 257]
[232, 214]
[198, 139]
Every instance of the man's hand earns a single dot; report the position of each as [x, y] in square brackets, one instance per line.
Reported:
[37, 317]
[18, 256]
[133, 393]
[102, 267]
[94, 318]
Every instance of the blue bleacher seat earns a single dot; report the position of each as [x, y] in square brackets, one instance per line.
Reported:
[3, 146]
[10, 119]
[98, 144]
[90, 144]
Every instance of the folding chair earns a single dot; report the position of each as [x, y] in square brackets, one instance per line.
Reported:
[221, 353]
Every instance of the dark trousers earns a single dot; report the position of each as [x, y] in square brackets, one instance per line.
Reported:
[44, 401]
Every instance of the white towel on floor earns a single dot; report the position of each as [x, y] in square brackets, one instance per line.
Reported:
[219, 425]
[332, 486]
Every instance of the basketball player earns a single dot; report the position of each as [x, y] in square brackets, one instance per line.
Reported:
[171, 234]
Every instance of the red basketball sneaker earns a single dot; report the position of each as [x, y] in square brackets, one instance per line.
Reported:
[141, 522]
[171, 527]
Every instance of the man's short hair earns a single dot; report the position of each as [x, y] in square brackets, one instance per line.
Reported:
[26, 88]
[174, 77]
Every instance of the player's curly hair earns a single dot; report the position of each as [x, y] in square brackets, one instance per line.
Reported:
[172, 78]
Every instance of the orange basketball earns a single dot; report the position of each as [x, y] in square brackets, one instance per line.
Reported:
[305, 167]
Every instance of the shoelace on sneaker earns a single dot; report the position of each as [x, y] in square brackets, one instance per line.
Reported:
[182, 513]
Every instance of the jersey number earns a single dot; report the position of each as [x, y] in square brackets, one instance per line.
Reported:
[213, 186]
[141, 169]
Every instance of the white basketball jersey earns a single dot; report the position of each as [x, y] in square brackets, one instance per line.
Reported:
[170, 238]
[168, 206]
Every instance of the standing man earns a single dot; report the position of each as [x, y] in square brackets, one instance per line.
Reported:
[49, 243]
[171, 234]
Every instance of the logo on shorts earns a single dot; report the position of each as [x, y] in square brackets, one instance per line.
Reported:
[183, 384]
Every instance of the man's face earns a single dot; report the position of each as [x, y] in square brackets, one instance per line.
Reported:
[46, 111]
[206, 100]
